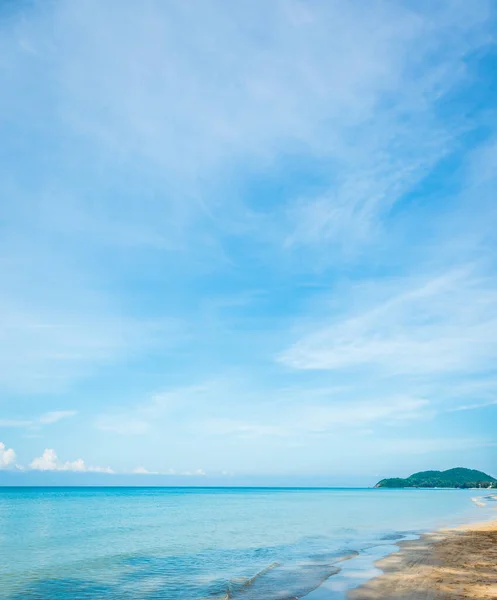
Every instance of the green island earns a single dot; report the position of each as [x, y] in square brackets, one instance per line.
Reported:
[453, 478]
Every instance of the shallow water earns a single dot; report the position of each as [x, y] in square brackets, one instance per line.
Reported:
[192, 543]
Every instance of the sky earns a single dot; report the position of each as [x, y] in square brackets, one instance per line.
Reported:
[247, 243]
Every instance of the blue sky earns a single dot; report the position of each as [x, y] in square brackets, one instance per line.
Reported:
[247, 242]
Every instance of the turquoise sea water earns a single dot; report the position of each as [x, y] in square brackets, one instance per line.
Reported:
[191, 544]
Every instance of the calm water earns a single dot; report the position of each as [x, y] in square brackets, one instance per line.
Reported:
[190, 544]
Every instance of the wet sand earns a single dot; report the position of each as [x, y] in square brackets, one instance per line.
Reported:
[452, 564]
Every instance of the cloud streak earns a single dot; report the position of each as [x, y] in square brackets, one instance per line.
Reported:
[37, 423]
[445, 324]
[56, 415]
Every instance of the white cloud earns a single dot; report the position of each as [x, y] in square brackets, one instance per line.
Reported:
[289, 413]
[123, 424]
[303, 418]
[243, 428]
[38, 422]
[361, 413]
[49, 461]
[371, 181]
[197, 473]
[49, 346]
[141, 419]
[263, 95]
[415, 445]
[446, 324]
[56, 415]
[14, 423]
[475, 405]
[7, 457]
[246, 85]
[143, 471]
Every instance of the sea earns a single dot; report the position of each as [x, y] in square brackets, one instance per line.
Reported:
[211, 543]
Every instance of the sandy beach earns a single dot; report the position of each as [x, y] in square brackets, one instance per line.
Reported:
[452, 564]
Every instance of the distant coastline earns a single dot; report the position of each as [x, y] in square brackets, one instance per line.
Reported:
[458, 478]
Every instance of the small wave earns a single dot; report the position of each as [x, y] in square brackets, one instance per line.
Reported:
[478, 501]
[283, 581]
[238, 585]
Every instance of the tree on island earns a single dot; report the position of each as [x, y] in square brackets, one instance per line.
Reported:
[453, 478]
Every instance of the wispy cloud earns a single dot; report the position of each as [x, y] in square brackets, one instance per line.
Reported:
[440, 325]
[419, 446]
[14, 423]
[38, 422]
[329, 417]
[46, 346]
[475, 405]
[208, 410]
[370, 180]
[56, 415]
[206, 104]
[141, 418]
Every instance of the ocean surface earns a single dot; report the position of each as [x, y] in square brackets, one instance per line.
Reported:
[191, 544]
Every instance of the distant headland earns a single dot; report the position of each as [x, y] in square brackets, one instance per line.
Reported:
[453, 478]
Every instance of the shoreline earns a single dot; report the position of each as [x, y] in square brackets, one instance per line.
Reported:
[449, 564]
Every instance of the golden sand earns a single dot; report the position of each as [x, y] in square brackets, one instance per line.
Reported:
[452, 564]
